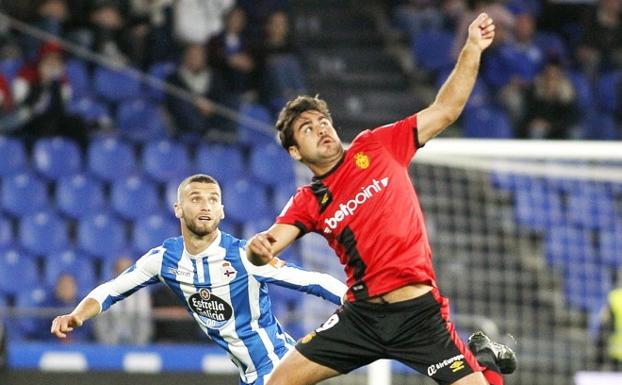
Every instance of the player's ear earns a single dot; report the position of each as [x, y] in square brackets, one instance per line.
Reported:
[222, 209]
[178, 211]
[294, 153]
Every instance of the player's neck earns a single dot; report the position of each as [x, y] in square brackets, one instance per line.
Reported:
[195, 244]
[320, 169]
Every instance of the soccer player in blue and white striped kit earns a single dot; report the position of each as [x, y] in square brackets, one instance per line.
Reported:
[208, 271]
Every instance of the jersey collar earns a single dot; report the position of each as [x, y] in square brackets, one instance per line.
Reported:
[332, 170]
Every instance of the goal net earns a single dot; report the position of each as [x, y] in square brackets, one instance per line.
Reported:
[527, 241]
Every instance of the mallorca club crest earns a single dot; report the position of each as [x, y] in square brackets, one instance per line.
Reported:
[228, 271]
[361, 160]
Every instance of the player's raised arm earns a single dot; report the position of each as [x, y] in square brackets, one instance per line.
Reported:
[262, 247]
[455, 92]
[63, 324]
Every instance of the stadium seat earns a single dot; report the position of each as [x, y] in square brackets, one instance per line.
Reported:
[134, 197]
[78, 76]
[19, 271]
[140, 121]
[116, 86]
[102, 236]
[610, 245]
[257, 129]
[111, 158]
[567, 244]
[160, 71]
[23, 194]
[245, 201]
[486, 122]
[281, 194]
[270, 164]
[79, 195]
[537, 205]
[586, 285]
[220, 161]
[599, 126]
[591, 205]
[27, 328]
[432, 49]
[13, 159]
[56, 157]
[584, 90]
[43, 232]
[6, 233]
[151, 231]
[164, 160]
[607, 91]
[10, 67]
[71, 262]
[255, 225]
[89, 109]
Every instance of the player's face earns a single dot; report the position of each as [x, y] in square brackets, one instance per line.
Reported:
[316, 138]
[200, 209]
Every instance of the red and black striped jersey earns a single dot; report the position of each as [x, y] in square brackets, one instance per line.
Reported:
[367, 209]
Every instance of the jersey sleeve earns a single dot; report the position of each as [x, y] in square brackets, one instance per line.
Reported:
[399, 138]
[144, 272]
[293, 277]
[296, 212]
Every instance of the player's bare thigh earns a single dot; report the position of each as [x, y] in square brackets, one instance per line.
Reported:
[296, 369]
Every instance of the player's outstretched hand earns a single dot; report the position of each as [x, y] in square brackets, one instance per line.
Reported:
[64, 324]
[482, 31]
[259, 248]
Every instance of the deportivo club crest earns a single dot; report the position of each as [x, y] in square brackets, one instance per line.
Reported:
[228, 271]
[361, 160]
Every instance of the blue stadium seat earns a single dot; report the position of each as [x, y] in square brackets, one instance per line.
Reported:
[140, 121]
[89, 109]
[69, 261]
[31, 327]
[152, 231]
[160, 71]
[6, 232]
[245, 201]
[220, 161]
[607, 91]
[23, 194]
[432, 49]
[281, 194]
[102, 236]
[116, 86]
[487, 122]
[43, 232]
[13, 159]
[586, 285]
[19, 271]
[111, 158]
[79, 195]
[134, 197]
[56, 157]
[270, 164]
[567, 244]
[610, 245]
[10, 67]
[164, 160]
[78, 77]
[254, 225]
[584, 90]
[248, 131]
[537, 205]
[599, 125]
[591, 205]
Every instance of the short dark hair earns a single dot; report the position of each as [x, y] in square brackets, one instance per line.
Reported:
[201, 178]
[292, 110]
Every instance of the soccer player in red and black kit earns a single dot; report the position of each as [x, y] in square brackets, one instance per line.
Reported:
[363, 202]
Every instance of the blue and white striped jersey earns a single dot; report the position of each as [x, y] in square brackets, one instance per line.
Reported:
[226, 295]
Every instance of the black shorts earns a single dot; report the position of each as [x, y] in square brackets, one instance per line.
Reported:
[416, 332]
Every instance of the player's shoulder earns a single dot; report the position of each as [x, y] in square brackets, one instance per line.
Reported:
[228, 241]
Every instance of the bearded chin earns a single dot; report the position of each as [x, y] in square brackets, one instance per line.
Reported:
[201, 231]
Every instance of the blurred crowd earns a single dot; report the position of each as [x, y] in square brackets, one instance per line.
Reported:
[215, 53]
[553, 71]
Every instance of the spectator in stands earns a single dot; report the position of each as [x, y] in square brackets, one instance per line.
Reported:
[280, 68]
[109, 35]
[415, 16]
[42, 94]
[65, 296]
[196, 21]
[130, 321]
[229, 52]
[600, 48]
[209, 274]
[551, 105]
[199, 118]
[51, 16]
